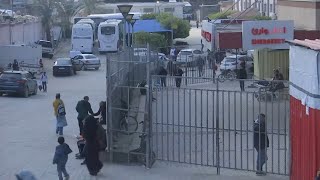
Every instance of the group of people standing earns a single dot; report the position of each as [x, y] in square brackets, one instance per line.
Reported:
[92, 134]
[172, 70]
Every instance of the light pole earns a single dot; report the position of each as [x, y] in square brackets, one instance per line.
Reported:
[132, 22]
[128, 20]
[124, 10]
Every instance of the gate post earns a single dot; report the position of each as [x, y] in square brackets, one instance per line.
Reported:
[217, 130]
[109, 110]
[148, 108]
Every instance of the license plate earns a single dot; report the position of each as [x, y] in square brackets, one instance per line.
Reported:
[61, 68]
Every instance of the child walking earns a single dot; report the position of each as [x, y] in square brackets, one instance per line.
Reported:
[61, 157]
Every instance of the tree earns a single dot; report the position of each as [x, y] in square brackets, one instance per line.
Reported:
[154, 39]
[89, 5]
[45, 8]
[66, 11]
[180, 27]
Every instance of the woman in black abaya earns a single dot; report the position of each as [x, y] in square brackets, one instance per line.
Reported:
[92, 145]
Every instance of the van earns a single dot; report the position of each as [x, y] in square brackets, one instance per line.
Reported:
[47, 48]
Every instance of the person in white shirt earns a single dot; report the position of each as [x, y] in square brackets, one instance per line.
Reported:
[44, 80]
[173, 53]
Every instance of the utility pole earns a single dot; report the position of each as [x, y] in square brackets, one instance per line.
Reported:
[10, 22]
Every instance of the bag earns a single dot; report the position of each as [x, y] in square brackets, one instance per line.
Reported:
[61, 110]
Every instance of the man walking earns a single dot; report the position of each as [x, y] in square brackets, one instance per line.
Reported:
[44, 81]
[242, 75]
[179, 74]
[83, 108]
[200, 63]
[15, 65]
[163, 76]
[261, 142]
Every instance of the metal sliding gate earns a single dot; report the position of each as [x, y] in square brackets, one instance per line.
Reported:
[211, 124]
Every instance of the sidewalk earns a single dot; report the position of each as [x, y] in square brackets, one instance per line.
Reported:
[169, 171]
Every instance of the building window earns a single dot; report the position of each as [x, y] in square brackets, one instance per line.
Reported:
[270, 7]
[148, 10]
[264, 9]
[169, 10]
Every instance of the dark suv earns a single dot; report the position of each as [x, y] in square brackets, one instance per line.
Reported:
[20, 82]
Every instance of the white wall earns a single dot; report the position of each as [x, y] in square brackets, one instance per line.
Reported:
[21, 33]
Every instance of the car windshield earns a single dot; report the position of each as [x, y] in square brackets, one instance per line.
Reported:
[197, 52]
[62, 62]
[10, 76]
[90, 57]
[230, 60]
[186, 53]
[46, 44]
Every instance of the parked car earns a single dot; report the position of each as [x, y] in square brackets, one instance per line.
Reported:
[231, 63]
[47, 48]
[90, 61]
[180, 45]
[20, 82]
[189, 56]
[66, 66]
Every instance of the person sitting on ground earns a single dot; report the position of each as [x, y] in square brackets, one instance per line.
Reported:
[103, 112]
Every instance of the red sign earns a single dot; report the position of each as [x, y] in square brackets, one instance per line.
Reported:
[206, 35]
[265, 31]
[267, 41]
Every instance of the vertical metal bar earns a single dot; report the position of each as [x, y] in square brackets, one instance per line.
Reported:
[223, 128]
[266, 127]
[179, 154]
[272, 129]
[168, 140]
[109, 110]
[229, 129]
[184, 125]
[149, 109]
[285, 136]
[173, 124]
[157, 121]
[190, 125]
[162, 124]
[247, 128]
[253, 117]
[196, 126]
[241, 150]
[279, 125]
[201, 124]
[207, 127]
[235, 128]
[217, 127]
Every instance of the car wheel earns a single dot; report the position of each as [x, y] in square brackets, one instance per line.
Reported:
[26, 92]
[97, 68]
[1, 93]
[35, 92]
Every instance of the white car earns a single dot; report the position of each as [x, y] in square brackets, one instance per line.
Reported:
[189, 56]
[90, 61]
[233, 62]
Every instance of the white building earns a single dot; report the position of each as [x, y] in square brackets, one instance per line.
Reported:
[266, 7]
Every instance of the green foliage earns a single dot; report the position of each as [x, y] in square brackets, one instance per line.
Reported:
[149, 16]
[154, 39]
[260, 18]
[180, 27]
[221, 15]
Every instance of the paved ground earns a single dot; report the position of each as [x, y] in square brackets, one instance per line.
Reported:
[28, 140]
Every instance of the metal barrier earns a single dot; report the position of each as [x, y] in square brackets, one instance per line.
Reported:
[212, 124]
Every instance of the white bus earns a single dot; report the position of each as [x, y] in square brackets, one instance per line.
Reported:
[99, 18]
[91, 22]
[110, 34]
[82, 38]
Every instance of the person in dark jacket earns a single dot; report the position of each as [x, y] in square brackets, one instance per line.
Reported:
[163, 73]
[83, 108]
[179, 79]
[15, 65]
[261, 142]
[171, 68]
[200, 64]
[102, 111]
[242, 74]
[92, 146]
[61, 157]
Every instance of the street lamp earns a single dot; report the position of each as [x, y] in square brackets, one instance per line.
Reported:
[132, 22]
[124, 10]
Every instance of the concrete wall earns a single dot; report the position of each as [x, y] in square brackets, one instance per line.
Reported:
[21, 33]
[306, 15]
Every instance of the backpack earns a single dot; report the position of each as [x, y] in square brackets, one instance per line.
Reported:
[61, 110]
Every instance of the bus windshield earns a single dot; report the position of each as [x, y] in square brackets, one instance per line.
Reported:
[82, 32]
[187, 10]
[108, 30]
